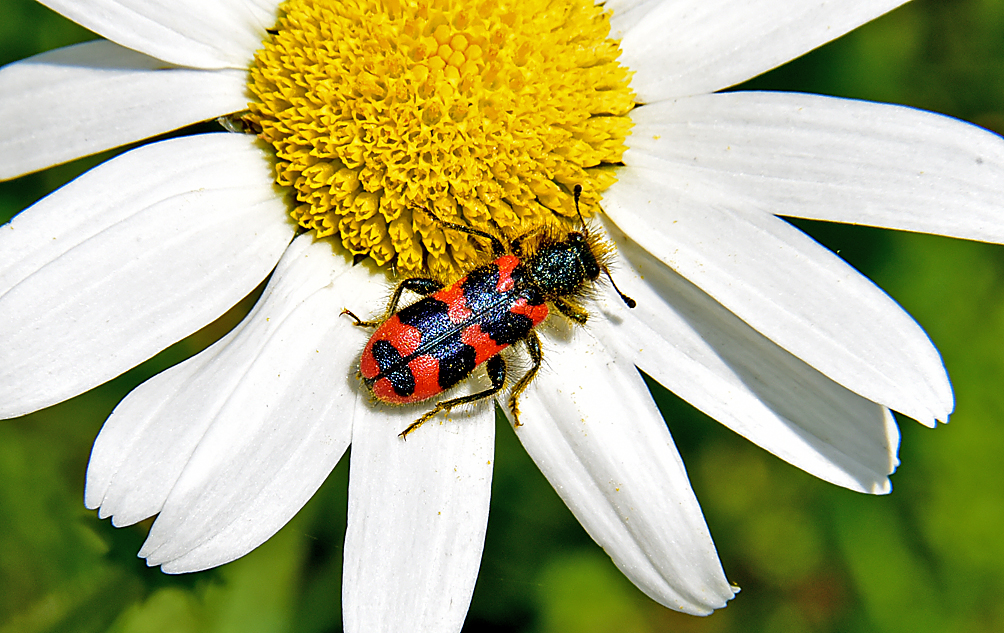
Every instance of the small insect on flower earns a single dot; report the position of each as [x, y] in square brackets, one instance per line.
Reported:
[435, 343]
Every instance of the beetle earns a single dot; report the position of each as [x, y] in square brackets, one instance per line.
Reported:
[435, 343]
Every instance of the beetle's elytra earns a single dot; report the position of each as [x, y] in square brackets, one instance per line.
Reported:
[435, 343]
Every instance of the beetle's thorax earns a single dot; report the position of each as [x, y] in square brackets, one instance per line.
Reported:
[562, 268]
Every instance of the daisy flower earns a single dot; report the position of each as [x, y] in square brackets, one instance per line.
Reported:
[360, 113]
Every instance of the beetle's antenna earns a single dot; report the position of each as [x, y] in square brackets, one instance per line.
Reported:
[628, 301]
[576, 192]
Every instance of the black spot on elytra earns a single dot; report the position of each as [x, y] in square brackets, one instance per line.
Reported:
[429, 316]
[480, 288]
[456, 360]
[505, 327]
[393, 367]
[385, 355]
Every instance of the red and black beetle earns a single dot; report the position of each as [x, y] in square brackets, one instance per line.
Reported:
[436, 342]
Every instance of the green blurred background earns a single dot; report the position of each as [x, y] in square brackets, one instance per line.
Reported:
[809, 556]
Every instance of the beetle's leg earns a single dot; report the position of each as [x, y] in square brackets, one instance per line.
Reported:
[496, 372]
[532, 343]
[516, 243]
[419, 285]
[498, 249]
[578, 315]
[358, 322]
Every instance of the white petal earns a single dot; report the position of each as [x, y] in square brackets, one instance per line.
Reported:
[151, 434]
[129, 258]
[712, 359]
[83, 99]
[592, 428]
[139, 453]
[690, 47]
[246, 440]
[627, 14]
[195, 33]
[831, 159]
[786, 286]
[418, 510]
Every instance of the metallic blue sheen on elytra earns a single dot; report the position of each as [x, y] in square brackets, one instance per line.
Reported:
[443, 339]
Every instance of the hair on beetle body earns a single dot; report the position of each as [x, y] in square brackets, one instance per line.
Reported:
[433, 344]
[566, 264]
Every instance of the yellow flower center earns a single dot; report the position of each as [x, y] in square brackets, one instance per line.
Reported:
[487, 114]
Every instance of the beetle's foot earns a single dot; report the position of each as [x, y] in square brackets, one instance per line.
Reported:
[356, 320]
[514, 407]
[419, 422]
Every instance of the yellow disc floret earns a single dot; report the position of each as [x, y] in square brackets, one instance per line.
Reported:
[485, 113]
